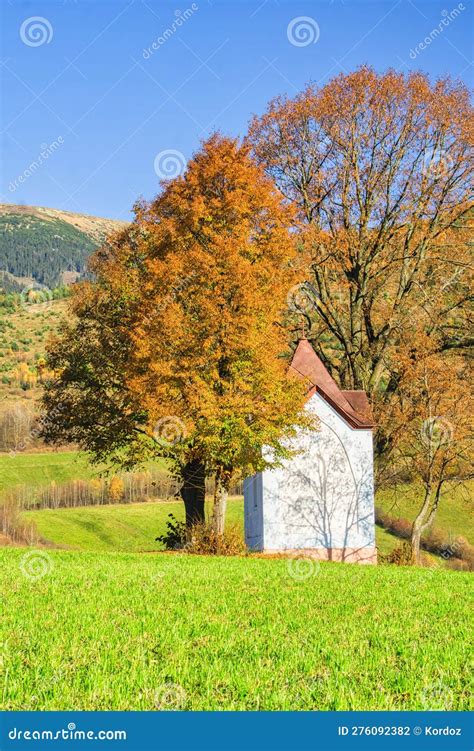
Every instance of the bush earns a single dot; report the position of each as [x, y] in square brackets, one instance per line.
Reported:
[457, 565]
[175, 536]
[201, 539]
[400, 556]
[381, 518]
[401, 528]
[435, 541]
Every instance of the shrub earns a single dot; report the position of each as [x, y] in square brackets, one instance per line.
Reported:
[466, 553]
[457, 565]
[400, 556]
[435, 541]
[201, 539]
[175, 536]
[401, 528]
[381, 518]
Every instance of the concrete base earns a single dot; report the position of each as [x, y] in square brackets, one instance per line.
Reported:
[340, 555]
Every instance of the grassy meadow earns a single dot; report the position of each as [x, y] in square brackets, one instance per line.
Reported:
[166, 631]
[41, 468]
[111, 622]
[133, 527]
[33, 469]
[128, 527]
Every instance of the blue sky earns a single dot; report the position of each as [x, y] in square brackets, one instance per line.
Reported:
[83, 86]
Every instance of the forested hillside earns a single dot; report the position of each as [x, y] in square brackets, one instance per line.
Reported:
[47, 246]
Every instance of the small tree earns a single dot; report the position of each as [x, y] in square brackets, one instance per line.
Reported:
[429, 423]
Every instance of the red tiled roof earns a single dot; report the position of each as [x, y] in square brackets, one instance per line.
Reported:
[353, 406]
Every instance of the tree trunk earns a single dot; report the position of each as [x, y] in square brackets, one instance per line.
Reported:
[415, 543]
[193, 492]
[423, 522]
[221, 494]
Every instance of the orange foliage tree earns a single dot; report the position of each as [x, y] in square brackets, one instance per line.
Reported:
[379, 168]
[177, 348]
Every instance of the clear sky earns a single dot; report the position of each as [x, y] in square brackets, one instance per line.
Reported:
[92, 104]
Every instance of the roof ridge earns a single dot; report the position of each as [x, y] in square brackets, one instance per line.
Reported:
[316, 373]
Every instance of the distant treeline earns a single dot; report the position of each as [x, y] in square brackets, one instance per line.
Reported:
[42, 250]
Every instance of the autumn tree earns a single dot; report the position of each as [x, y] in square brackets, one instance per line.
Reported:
[429, 421]
[176, 348]
[379, 168]
[209, 354]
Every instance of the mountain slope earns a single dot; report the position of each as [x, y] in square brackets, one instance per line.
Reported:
[47, 246]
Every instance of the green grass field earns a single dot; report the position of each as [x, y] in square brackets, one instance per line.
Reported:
[114, 625]
[42, 468]
[166, 631]
[118, 527]
[133, 528]
[455, 514]
[36, 468]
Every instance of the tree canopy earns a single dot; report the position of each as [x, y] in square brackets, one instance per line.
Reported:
[177, 347]
[379, 168]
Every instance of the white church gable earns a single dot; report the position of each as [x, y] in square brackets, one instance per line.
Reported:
[320, 500]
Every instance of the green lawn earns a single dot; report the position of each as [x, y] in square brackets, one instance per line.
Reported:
[118, 527]
[455, 514]
[128, 631]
